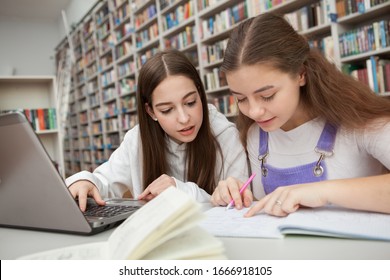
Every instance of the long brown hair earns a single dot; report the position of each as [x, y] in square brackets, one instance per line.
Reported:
[202, 152]
[328, 93]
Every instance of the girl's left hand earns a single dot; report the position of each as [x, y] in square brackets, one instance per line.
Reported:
[286, 200]
[157, 187]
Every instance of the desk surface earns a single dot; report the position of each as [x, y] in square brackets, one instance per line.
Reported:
[15, 243]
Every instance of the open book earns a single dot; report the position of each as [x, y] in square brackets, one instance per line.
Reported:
[165, 228]
[326, 221]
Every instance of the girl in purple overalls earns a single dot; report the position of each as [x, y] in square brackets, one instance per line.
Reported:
[314, 136]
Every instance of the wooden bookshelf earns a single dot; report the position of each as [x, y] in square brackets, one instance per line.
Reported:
[116, 37]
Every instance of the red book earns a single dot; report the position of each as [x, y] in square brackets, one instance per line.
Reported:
[365, 76]
[41, 119]
[27, 113]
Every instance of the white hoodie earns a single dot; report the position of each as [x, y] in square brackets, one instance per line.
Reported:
[123, 172]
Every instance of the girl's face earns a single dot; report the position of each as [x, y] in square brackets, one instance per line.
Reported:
[178, 108]
[268, 96]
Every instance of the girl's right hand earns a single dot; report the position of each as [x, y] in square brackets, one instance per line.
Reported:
[157, 187]
[230, 189]
[82, 189]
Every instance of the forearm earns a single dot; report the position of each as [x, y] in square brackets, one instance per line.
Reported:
[368, 193]
[193, 190]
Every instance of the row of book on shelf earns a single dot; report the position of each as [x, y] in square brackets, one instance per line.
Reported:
[311, 15]
[180, 14]
[226, 104]
[347, 7]
[371, 37]
[308, 16]
[41, 119]
[315, 14]
[375, 73]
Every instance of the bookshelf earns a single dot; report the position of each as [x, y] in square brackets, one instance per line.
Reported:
[36, 97]
[116, 37]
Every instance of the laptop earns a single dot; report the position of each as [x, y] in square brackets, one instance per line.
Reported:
[33, 195]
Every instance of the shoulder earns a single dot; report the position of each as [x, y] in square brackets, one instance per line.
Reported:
[132, 136]
[377, 130]
[380, 125]
[213, 112]
[133, 131]
[218, 122]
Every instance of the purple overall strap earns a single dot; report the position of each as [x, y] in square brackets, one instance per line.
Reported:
[328, 135]
[325, 143]
[263, 147]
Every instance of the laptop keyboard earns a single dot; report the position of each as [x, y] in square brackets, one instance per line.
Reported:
[108, 210]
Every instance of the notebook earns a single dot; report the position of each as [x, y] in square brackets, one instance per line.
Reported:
[33, 195]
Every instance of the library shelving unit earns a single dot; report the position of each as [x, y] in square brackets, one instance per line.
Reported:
[36, 97]
[116, 37]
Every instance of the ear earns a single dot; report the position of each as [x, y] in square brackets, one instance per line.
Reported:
[302, 78]
[150, 112]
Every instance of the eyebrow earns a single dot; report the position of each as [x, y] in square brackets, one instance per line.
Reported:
[169, 103]
[256, 91]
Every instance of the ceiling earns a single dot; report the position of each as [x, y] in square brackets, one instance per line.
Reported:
[35, 9]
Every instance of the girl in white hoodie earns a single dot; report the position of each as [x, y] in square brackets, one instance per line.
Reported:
[180, 140]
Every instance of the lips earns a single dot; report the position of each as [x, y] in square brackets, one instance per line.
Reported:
[187, 131]
[265, 122]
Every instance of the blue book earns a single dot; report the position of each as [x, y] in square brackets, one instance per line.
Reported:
[374, 73]
[382, 33]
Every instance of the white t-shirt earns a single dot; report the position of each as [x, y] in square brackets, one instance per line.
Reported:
[122, 171]
[356, 154]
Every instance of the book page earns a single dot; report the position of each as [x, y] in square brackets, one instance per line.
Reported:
[338, 222]
[325, 221]
[195, 243]
[231, 223]
[168, 214]
[89, 251]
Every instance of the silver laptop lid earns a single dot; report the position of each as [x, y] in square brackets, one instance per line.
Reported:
[32, 193]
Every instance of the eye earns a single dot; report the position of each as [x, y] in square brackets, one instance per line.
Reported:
[268, 98]
[166, 111]
[191, 103]
[240, 100]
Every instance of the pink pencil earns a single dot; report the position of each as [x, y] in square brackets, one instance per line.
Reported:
[241, 190]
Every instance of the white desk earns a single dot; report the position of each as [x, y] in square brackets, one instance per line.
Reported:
[15, 243]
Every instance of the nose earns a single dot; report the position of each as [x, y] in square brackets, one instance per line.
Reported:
[256, 111]
[183, 116]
